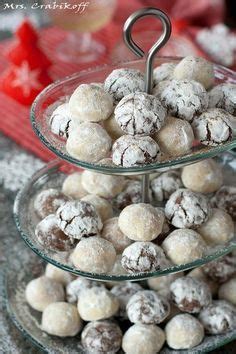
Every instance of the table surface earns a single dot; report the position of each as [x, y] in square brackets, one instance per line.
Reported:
[11, 340]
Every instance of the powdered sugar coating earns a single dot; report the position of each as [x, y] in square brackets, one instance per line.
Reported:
[102, 206]
[213, 127]
[223, 96]
[113, 128]
[186, 209]
[140, 114]
[165, 184]
[91, 103]
[94, 255]
[220, 270]
[72, 186]
[147, 307]
[112, 233]
[184, 98]
[50, 236]
[140, 339]
[123, 292]
[106, 186]
[141, 222]
[60, 119]
[131, 194]
[142, 257]
[219, 317]
[129, 151]
[88, 142]
[61, 319]
[58, 274]
[163, 72]
[75, 287]
[227, 291]
[78, 219]
[184, 331]
[101, 337]
[97, 303]
[190, 294]
[162, 284]
[122, 82]
[48, 201]
[225, 198]
[183, 246]
[195, 68]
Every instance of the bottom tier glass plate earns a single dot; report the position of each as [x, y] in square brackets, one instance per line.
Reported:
[23, 267]
[52, 176]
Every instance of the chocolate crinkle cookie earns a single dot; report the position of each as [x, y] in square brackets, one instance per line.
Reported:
[141, 257]
[187, 209]
[147, 307]
[223, 96]
[190, 294]
[140, 114]
[163, 72]
[213, 127]
[221, 269]
[101, 337]
[165, 184]
[60, 120]
[225, 198]
[122, 82]
[131, 194]
[48, 201]
[184, 98]
[219, 317]
[131, 151]
[78, 218]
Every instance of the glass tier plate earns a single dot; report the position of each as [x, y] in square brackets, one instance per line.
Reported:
[22, 268]
[52, 176]
[59, 92]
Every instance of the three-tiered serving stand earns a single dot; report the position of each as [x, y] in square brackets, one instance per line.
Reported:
[53, 174]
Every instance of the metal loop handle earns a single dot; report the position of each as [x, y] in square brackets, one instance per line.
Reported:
[148, 11]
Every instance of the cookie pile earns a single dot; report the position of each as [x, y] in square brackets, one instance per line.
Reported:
[117, 120]
[177, 309]
[101, 223]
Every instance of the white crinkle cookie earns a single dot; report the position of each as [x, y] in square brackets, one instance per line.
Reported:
[184, 98]
[60, 120]
[122, 82]
[165, 184]
[184, 246]
[140, 114]
[195, 68]
[75, 287]
[219, 317]
[140, 339]
[141, 257]
[147, 307]
[90, 103]
[218, 229]
[184, 332]
[223, 96]
[163, 72]
[227, 291]
[42, 291]
[61, 319]
[113, 128]
[78, 218]
[72, 186]
[129, 151]
[94, 255]
[102, 206]
[105, 186]
[113, 233]
[97, 303]
[141, 222]
[204, 176]
[89, 142]
[213, 127]
[58, 274]
[190, 294]
[186, 209]
[176, 137]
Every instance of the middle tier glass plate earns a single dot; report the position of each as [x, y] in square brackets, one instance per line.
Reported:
[52, 176]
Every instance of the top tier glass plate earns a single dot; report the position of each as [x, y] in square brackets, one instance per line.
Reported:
[59, 92]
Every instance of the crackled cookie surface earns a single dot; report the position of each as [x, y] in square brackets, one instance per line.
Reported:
[165, 184]
[224, 96]
[48, 201]
[225, 198]
[163, 72]
[140, 114]
[60, 120]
